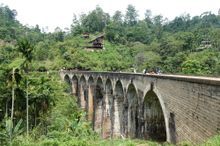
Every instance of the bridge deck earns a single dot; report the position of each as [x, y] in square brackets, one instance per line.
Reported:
[197, 79]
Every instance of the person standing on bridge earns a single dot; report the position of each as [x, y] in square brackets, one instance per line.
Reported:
[145, 71]
[134, 70]
[157, 71]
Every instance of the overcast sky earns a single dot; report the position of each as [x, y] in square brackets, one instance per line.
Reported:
[53, 13]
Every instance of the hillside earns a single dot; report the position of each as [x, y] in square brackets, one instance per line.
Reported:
[184, 45]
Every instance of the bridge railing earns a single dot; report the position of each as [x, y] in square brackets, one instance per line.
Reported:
[195, 79]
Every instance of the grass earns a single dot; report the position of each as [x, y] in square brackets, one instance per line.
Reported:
[127, 142]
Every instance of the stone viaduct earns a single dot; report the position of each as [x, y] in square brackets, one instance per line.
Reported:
[158, 107]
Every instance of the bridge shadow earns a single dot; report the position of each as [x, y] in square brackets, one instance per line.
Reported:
[132, 117]
[75, 85]
[68, 83]
[154, 127]
[108, 110]
[98, 101]
[120, 111]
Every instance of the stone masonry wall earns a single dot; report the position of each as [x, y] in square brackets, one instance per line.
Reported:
[196, 107]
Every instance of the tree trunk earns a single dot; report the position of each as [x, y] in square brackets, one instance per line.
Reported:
[35, 115]
[27, 119]
[12, 102]
[6, 108]
[13, 95]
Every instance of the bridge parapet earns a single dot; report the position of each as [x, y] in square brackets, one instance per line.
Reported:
[194, 79]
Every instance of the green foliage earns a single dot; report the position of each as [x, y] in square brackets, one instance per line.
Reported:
[16, 63]
[95, 21]
[8, 23]
[147, 60]
[215, 141]
[115, 33]
[131, 16]
[205, 62]
[41, 51]
[173, 41]
[10, 132]
[25, 47]
[191, 67]
[67, 124]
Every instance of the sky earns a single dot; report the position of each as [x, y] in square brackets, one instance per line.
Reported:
[53, 13]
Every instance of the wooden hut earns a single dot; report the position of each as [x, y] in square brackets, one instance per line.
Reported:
[85, 35]
[96, 43]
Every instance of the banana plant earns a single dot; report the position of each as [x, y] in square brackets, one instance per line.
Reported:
[10, 131]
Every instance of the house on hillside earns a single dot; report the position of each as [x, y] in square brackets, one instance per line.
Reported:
[85, 35]
[96, 44]
[205, 44]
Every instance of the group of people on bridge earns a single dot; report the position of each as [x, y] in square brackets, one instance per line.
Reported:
[153, 71]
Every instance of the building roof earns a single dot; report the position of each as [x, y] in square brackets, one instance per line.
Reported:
[101, 36]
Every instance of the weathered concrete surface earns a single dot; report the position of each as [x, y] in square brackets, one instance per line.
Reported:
[159, 107]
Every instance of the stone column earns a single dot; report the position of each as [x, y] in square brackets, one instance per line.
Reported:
[107, 115]
[117, 117]
[82, 97]
[98, 116]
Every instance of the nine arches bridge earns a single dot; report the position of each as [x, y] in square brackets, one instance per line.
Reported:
[158, 107]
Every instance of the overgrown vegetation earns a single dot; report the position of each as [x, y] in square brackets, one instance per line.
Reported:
[34, 107]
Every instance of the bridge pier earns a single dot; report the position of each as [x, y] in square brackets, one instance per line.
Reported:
[82, 92]
[91, 88]
[132, 111]
[108, 112]
[99, 107]
[119, 122]
[75, 86]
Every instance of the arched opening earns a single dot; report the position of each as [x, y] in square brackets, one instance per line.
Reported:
[108, 110]
[83, 92]
[69, 84]
[75, 86]
[91, 87]
[118, 111]
[132, 111]
[154, 122]
[98, 106]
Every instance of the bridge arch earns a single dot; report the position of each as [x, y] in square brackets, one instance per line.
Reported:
[75, 85]
[119, 110]
[91, 88]
[152, 90]
[69, 84]
[83, 92]
[154, 122]
[132, 98]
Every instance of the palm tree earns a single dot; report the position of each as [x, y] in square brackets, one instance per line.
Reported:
[26, 48]
[13, 81]
[13, 94]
